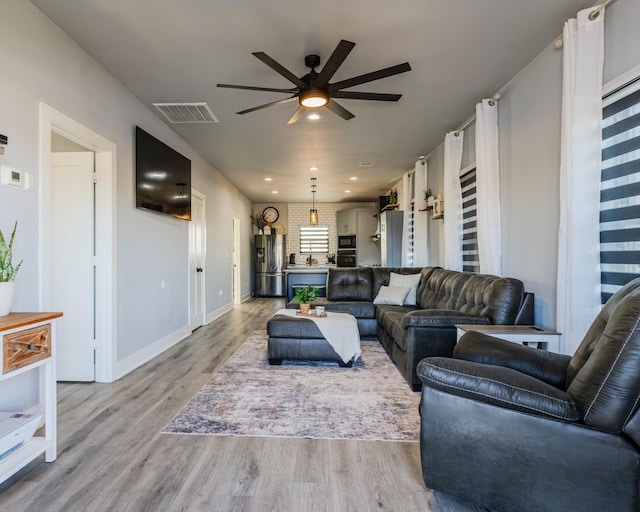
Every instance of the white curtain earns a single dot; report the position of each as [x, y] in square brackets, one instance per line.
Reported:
[420, 218]
[578, 287]
[453, 201]
[405, 206]
[488, 188]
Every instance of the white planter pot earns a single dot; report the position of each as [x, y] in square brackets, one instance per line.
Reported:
[6, 297]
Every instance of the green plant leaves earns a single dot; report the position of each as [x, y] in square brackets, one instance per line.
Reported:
[306, 294]
[7, 270]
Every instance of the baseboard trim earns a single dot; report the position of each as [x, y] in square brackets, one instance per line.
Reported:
[214, 315]
[130, 363]
[246, 297]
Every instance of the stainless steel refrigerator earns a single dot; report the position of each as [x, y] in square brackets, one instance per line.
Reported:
[270, 265]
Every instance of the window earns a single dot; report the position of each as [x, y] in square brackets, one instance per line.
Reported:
[470, 258]
[314, 240]
[620, 189]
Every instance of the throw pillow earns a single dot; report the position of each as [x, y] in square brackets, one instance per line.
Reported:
[410, 281]
[391, 295]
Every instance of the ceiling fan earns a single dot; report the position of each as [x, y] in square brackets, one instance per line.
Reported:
[313, 90]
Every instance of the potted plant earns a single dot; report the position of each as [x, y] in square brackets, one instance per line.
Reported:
[428, 195]
[304, 296]
[258, 221]
[393, 196]
[7, 272]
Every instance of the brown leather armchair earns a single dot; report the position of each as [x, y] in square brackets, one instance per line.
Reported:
[518, 429]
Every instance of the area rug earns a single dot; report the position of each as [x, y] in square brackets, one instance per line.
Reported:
[249, 397]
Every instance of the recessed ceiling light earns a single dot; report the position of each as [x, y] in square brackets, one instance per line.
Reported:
[353, 178]
[347, 191]
[274, 191]
[313, 117]
[314, 168]
[268, 179]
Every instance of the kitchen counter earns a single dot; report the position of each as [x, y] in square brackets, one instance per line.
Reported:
[299, 269]
[304, 275]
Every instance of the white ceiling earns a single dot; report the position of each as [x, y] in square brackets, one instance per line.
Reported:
[460, 51]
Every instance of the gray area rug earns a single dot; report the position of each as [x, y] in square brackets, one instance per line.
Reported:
[248, 397]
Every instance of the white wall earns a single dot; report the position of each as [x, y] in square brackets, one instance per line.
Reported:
[41, 64]
[529, 128]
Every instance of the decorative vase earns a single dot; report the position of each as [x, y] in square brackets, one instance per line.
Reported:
[304, 308]
[6, 297]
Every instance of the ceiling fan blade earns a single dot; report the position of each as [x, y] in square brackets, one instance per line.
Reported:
[251, 88]
[370, 77]
[336, 108]
[335, 61]
[278, 68]
[353, 95]
[296, 115]
[260, 107]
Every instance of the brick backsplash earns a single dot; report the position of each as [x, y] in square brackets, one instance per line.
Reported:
[299, 216]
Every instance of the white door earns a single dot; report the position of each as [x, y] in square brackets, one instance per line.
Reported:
[237, 293]
[73, 251]
[197, 254]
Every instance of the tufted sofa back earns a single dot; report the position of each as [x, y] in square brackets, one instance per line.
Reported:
[497, 298]
[603, 375]
[344, 284]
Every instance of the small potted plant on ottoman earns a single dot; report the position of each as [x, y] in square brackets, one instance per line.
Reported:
[305, 295]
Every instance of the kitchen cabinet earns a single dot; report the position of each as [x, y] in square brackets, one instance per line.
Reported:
[391, 238]
[367, 250]
[303, 277]
[346, 222]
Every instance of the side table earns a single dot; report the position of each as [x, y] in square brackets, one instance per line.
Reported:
[28, 343]
[530, 335]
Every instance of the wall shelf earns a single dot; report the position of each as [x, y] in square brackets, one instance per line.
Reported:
[392, 206]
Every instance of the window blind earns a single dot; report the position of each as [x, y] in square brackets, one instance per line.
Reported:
[470, 257]
[620, 189]
[410, 252]
[314, 240]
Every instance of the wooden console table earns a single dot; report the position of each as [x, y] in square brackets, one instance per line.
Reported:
[530, 335]
[28, 343]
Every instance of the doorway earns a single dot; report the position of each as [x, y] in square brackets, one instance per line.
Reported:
[73, 257]
[104, 287]
[237, 281]
[197, 258]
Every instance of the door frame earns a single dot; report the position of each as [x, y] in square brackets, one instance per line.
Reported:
[203, 294]
[51, 120]
[236, 271]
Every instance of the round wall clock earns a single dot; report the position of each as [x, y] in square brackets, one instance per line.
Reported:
[270, 214]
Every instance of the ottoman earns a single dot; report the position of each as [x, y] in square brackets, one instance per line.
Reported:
[296, 337]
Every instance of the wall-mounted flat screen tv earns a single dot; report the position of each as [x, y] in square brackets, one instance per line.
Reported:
[163, 177]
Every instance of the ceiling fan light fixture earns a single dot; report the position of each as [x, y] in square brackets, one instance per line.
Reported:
[313, 98]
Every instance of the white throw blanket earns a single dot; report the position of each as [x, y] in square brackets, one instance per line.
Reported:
[339, 329]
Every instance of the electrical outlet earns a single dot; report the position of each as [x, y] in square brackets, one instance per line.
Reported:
[220, 292]
[162, 284]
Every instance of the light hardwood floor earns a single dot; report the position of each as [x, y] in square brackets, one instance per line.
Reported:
[112, 456]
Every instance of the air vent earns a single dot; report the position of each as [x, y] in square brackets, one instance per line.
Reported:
[178, 113]
[366, 164]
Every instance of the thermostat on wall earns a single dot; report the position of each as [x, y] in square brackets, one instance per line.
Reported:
[14, 177]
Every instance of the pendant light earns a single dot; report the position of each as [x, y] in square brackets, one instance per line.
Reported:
[313, 213]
